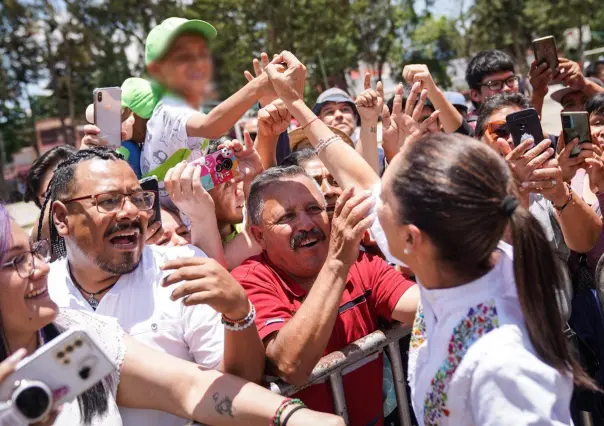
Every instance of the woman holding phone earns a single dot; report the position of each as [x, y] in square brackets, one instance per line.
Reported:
[487, 345]
[144, 378]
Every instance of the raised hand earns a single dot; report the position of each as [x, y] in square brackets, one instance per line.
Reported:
[273, 119]
[351, 218]
[91, 132]
[420, 73]
[250, 163]
[570, 165]
[540, 77]
[524, 160]
[183, 183]
[288, 75]
[205, 281]
[259, 65]
[370, 102]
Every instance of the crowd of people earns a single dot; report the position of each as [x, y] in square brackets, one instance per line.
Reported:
[490, 248]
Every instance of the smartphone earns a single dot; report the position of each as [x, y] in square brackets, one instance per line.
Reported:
[151, 183]
[576, 125]
[523, 124]
[68, 365]
[217, 168]
[545, 51]
[108, 114]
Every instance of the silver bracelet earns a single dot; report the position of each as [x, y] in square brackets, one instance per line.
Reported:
[324, 143]
[242, 324]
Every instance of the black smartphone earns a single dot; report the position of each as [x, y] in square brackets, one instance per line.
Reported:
[151, 184]
[576, 125]
[523, 124]
[545, 51]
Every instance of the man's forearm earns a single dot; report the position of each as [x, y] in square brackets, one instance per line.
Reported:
[266, 145]
[580, 225]
[222, 118]
[367, 145]
[244, 354]
[449, 117]
[300, 344]
[206, 236]
[537, 101]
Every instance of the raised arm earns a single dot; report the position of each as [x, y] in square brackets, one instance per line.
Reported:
[369, 105]
[343, 162]
[153, 380]
[218, 121]
[273, 120]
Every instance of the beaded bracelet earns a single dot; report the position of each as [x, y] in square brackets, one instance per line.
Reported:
[324, 143]
[568, 200]
[276, 419]
[240, 324]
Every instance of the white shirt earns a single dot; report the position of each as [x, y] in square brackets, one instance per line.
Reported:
[144, 310]
[471, 361]
[166, 134]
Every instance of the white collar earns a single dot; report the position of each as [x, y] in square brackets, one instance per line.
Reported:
[498, 282]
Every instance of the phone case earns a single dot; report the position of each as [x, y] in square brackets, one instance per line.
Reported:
[545, 51]
[108, 114]
[151, 183]
[218, 168]
[576, 124]
[523, 124]
[69, 365]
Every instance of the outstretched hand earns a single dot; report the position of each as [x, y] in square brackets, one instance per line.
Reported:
[259, 65]
[250, 163]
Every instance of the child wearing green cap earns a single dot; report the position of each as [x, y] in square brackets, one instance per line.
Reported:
[179, 61]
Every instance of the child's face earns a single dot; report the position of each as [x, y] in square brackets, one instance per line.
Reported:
[187, 67]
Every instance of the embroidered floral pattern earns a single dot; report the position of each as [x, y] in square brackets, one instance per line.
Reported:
[479, 321]
[418, 334]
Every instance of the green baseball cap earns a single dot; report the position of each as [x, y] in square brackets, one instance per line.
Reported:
[141, 96]
[161, 37]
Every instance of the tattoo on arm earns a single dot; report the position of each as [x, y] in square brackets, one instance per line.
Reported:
[223, 405]
[373, 129]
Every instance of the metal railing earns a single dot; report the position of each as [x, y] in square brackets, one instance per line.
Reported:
[339, 363]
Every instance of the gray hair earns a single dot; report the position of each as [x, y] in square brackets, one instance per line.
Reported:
[255, 199]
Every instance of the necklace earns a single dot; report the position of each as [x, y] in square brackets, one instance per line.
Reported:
[92, 301]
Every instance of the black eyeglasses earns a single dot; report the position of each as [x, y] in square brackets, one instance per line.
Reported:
[111, 202]
[497, 85]
[25, 263]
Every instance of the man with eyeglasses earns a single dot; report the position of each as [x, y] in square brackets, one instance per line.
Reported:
[489, 72]
[170, 298]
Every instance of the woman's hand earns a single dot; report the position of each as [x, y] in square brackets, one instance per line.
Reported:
[183, 183]
[570, 165]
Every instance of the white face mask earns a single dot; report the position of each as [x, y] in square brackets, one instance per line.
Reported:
[377, 232]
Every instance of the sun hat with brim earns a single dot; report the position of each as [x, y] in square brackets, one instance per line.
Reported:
[161, 37]
[141, 96]
[558, 95]
[297, 136]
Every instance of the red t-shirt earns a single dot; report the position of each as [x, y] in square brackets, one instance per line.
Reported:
[372, 290]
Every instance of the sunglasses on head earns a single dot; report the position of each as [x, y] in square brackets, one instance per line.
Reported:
[498, 129]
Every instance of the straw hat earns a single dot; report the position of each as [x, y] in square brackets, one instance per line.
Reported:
[297, 137]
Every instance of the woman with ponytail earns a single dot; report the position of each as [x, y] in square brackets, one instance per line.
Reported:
[487, 347]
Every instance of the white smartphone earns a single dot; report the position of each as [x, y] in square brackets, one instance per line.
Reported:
[108, 114]
[69, 365]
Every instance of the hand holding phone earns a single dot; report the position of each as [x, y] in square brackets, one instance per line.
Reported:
[151, 183]
[108, 114]
[57, 373]
[545, 51]
[525, 124]
[217, 168]
[576, 125]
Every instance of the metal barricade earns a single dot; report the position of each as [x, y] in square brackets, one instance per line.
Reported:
[337, 364]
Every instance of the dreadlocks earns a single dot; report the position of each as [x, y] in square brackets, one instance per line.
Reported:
[62, 184]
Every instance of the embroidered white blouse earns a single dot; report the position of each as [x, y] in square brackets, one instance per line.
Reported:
[471, 361]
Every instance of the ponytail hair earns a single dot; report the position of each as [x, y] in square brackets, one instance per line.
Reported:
[539, 281]
[460, 193]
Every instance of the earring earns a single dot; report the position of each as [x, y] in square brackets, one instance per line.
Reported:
[406, 251]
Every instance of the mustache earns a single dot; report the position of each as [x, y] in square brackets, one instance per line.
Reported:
[303, 235]
[124, 227]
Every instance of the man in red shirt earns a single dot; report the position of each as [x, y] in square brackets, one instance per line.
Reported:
[314, 292]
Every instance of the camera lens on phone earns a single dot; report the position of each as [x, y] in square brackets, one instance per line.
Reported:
[33, 401]
[99, 96]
